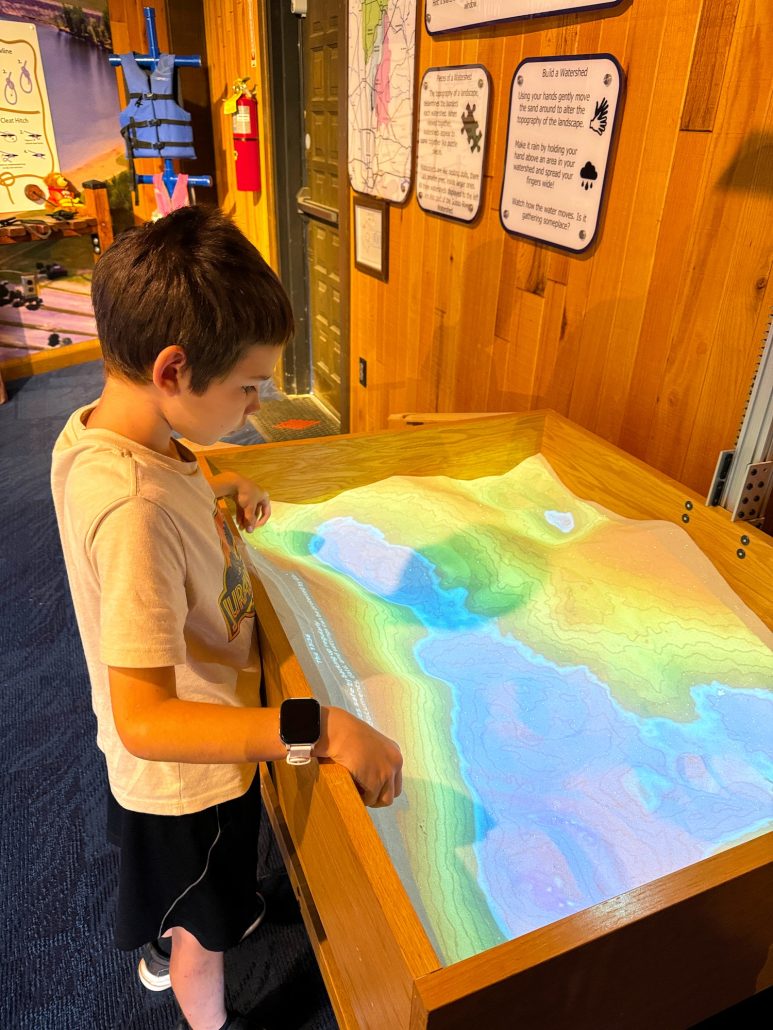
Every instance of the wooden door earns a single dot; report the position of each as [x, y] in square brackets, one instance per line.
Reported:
[319, 201]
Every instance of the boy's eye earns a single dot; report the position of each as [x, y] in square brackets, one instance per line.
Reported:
[249, 389]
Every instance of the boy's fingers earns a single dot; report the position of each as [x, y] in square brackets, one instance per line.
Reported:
[261, 514]
[387, 796]
[369, 795]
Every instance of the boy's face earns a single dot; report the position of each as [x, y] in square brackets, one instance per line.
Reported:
[224, 405]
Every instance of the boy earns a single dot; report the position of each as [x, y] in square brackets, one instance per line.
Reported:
[192, 321]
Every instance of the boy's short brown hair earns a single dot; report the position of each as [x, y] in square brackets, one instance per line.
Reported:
[192, 279]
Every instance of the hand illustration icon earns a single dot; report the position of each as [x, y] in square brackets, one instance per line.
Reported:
[598, 122]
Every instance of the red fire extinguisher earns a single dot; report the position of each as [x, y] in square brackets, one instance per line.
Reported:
[243, 108]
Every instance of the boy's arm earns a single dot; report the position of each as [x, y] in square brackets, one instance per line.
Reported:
[253, 508]
[156, 725]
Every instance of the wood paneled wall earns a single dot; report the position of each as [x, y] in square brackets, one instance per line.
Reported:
[650, 339]
[235, 39]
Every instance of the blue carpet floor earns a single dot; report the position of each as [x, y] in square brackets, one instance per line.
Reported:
[59, 969]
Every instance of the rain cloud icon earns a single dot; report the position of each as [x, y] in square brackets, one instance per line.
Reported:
[588, 174]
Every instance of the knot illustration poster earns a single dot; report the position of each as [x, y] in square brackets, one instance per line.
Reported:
[54, 67]
[27, 143]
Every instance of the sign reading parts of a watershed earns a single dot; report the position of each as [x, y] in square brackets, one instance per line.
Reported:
[453, 116]
[445, 15]
[563, 118]
[27, 144]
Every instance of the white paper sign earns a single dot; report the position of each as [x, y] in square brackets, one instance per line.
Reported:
[562, 121]
[27, 144]
[453, 118]
[367, 236]
[444, 15]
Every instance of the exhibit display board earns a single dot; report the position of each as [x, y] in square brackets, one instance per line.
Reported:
[446, 15]
[563, 114]
[452, 140]
[580, 698]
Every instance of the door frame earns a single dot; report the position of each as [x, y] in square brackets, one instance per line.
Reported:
[284, 43]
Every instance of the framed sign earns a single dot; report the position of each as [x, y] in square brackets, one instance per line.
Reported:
[563, 119]
[452, 137]
[371, 236]
[445, 15]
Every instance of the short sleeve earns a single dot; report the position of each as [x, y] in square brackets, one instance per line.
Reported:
[139, 560]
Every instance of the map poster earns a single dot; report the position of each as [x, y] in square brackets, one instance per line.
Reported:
[563, 117]
[382, 59]
[453, 118]
[27, 144]
[445, 15]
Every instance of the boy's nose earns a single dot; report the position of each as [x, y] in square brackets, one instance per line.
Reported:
[254, 405]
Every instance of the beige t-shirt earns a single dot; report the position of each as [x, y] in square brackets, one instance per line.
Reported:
[156, 580]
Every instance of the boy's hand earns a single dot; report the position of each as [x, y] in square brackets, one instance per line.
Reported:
[253, 507]
[374, 761]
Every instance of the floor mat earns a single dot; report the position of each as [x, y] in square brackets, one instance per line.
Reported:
[294, 417]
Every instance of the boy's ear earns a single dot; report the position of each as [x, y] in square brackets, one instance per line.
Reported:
[169, 368]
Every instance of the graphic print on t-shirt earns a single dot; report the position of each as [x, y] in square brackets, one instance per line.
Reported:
[236, 600]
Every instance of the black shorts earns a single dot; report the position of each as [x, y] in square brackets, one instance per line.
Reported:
[197, 871]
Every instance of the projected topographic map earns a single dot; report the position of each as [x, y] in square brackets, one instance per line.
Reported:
[582, 702]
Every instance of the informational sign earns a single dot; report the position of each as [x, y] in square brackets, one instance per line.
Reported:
[445, 15]
[563, 117]
[382, 59]
[453, 118]
[27, 145]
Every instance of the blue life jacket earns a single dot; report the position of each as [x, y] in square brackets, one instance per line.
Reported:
[152, 124]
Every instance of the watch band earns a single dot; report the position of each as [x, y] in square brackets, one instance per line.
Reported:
[299, 754]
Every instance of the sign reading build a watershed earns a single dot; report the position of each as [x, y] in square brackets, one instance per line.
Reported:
[563, 116]
[453, 113]
[444, 15]
[27, 144]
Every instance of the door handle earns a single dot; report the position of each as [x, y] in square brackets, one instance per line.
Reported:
[313, 209]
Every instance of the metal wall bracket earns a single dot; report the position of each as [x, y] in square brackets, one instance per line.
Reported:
[743, 477]
[752, 502]
[719, 479]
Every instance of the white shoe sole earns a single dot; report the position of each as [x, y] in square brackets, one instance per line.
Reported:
[151, 982]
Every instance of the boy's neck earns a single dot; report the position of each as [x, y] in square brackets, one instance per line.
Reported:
[130, 410]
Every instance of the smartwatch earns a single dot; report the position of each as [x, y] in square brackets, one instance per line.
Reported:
[299, 728]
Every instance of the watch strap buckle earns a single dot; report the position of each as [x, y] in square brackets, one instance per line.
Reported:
[299, 754]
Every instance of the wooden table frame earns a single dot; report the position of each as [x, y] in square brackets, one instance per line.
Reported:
[667, 954]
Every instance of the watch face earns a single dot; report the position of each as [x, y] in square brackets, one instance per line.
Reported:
[299, 721]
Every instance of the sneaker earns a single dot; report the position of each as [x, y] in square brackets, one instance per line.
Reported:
[153, 969]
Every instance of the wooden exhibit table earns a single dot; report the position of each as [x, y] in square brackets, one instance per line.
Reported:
[667, 954]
